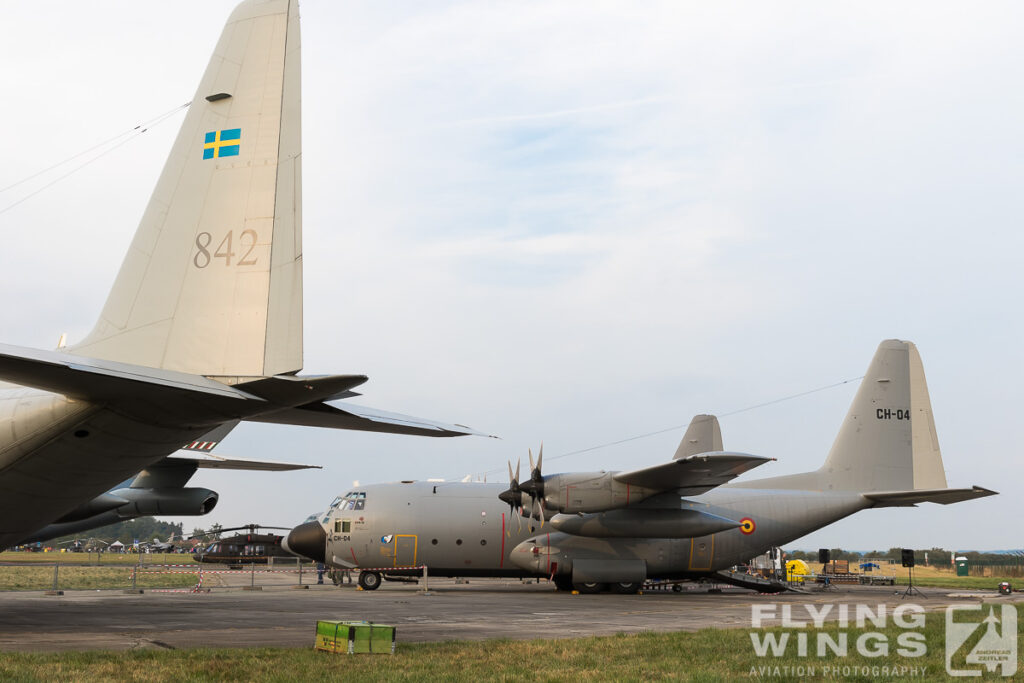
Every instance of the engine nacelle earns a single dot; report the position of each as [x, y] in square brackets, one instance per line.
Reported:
[642, 523]
[166, 501]
[97, 506]
[590, 492]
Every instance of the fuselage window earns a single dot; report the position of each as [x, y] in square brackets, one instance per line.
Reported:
[346, 527]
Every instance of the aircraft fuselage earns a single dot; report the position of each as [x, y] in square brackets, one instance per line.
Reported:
[462, 529]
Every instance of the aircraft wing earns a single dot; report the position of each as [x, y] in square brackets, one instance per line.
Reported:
[694, 473]
[885, 499]
[348, 416]
[217, 462]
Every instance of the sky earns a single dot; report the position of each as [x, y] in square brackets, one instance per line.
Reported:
[576, 223]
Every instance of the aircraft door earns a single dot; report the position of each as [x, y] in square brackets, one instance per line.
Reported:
[405, 550]
[702, 550]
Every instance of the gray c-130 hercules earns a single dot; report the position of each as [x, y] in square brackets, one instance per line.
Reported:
[681, 519]
[203, 325]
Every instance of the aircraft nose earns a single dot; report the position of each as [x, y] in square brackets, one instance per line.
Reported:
[308, 540]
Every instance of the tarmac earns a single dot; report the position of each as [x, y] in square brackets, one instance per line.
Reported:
[281, 615]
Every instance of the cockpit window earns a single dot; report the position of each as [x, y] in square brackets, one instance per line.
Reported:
[353, 500]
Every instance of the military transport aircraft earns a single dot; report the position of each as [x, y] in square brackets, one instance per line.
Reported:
[681, 519]
[203, 325]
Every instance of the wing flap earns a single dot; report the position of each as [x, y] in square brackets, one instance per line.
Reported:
[694, 473]
[940, 496]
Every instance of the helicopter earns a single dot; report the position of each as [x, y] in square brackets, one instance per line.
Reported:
[244, 548]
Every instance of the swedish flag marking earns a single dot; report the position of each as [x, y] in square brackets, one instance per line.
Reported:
[223, 143]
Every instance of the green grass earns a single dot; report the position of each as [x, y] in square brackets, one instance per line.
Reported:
[96, 558]
[74, 577]
[88, 571]
[707, 655]
[963, 582]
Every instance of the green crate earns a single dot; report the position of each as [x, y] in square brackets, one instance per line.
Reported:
[354, 637]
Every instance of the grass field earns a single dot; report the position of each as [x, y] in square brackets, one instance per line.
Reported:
[944, 578]
[88, 571]
[96, 558]
[74, 577]
[707, 655]
[947, 578]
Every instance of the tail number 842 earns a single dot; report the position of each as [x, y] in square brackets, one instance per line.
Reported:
[226, 249]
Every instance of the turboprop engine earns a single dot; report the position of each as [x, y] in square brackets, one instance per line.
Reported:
[589, 492]
[574, 492]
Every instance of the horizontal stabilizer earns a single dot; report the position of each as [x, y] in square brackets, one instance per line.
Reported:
[695, 473]
[349, 416]
[210, 461]
[290, 390]
[94, 379]
[912, 498]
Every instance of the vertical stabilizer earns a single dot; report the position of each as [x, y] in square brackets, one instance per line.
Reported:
[888, 441]
[702, 436]
[212, 282]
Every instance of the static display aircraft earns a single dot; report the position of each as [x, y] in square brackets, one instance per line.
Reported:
[251, 547]
[203, 325]
[681, 519]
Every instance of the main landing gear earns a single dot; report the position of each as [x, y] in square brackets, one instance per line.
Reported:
[369, 581]
[564, 583]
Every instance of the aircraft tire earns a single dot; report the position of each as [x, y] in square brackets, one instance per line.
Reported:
[369, 581]
[562, 583]
[624, 588]
[590, 587]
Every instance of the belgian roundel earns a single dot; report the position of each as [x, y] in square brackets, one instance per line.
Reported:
[747, 525]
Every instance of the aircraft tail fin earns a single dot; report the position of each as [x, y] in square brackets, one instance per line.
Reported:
[212, 282]
[888, 441]
[704, 435]
[887, 448]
